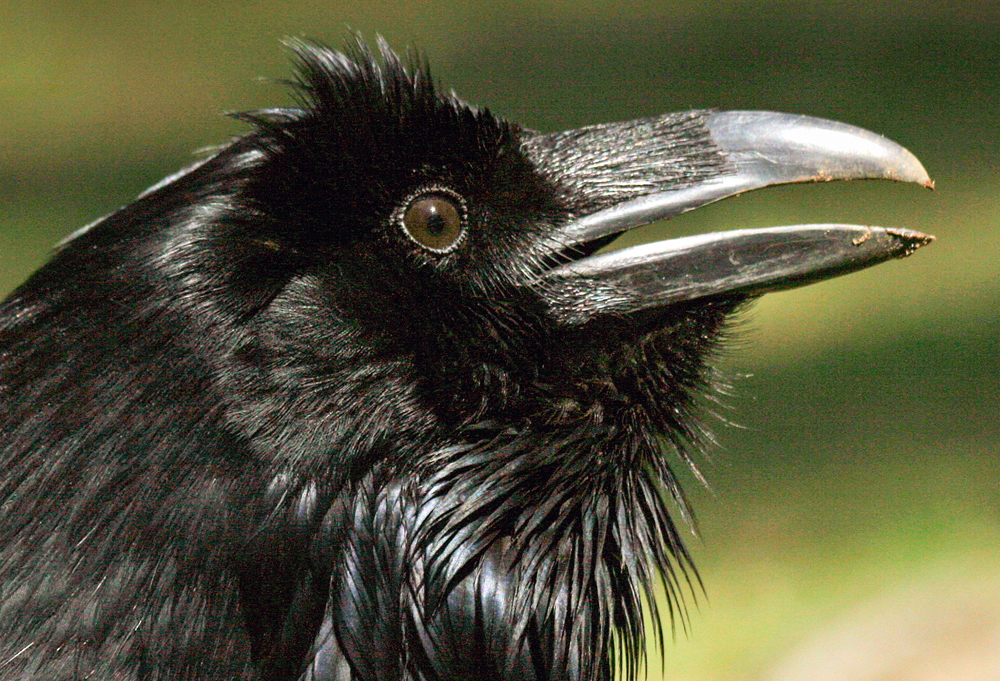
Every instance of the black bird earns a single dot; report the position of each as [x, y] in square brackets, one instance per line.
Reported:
[355, 397]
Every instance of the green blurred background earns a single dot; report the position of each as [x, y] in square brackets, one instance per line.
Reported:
[852, 525]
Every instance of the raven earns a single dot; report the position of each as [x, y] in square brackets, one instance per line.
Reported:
[356, 396]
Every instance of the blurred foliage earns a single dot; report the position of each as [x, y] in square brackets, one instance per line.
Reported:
[867, 456]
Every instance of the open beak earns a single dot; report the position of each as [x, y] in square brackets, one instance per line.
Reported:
[755, 149]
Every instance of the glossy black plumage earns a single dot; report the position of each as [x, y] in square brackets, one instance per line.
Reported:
[251, 430]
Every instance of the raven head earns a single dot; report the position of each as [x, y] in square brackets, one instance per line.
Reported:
[457, 249]
[460, 246]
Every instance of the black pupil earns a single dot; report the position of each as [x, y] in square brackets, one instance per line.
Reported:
[436, 224]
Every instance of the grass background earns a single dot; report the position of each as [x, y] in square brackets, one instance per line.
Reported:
[854, 516]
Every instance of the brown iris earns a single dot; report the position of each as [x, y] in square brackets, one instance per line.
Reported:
[434, 221]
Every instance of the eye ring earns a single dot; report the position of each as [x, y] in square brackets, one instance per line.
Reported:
[433, 218]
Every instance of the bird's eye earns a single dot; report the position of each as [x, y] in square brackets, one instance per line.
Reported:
[435, 221]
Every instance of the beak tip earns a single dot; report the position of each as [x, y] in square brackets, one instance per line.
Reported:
[909, 240]
[912, 170]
